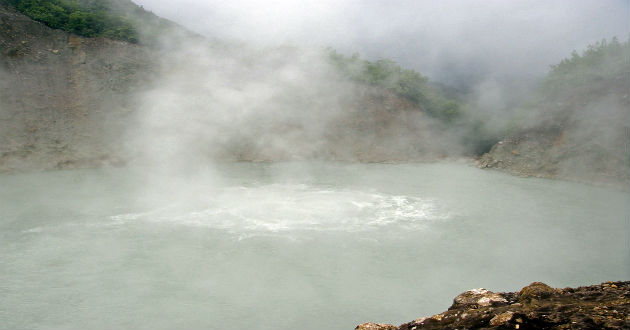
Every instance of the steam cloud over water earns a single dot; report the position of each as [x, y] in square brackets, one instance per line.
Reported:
[267, 92]
[450, 41]
[284, 246]
[273, 104]
[258, 184]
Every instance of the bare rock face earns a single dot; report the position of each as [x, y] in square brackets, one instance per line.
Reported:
[584, 140]
[375, 326]
[503, 318]
[65, 101]
[536, 306]
[69, 102]
[531, 153]
[476, 298]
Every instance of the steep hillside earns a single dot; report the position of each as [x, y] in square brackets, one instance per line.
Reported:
[69, 101]
[64, 100]
[114, 19]
[578, 128]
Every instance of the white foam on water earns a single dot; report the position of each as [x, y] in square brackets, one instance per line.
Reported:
[279, 208]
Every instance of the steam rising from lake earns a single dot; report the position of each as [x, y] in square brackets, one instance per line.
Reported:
[208, 103]
[458, 43]
[309, 245]
[187, 236]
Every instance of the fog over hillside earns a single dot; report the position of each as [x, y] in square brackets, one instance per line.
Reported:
[266, 86]
[456, 42]
[497, 53]
[313, 165]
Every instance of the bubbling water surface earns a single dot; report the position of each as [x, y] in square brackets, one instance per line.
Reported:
[290, 245]
[286, 208]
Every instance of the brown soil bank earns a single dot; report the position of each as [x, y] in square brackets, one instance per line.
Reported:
[537, 306]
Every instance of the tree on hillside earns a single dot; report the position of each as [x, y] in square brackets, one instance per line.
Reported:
[406, 83]
[89, 18]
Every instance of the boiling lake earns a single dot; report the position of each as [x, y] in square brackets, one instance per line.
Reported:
[294, 245]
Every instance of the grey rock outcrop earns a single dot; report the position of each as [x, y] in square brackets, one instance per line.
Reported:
[64, 100]
[477, 298]
[68, 101]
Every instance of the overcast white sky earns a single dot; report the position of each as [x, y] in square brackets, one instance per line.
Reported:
[444, 39]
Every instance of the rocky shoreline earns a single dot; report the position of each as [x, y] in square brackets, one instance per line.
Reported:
[536, 306]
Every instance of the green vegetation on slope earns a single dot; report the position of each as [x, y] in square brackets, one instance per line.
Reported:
[576, 125]
[433, 99]
[406, 83]
[602, 68]
[89, 18]
[576, 84]
[587, 86]
[115, 19]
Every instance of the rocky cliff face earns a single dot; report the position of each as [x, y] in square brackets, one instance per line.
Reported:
[579, 122]
[587, 140]
[537, 306]
[583, 151]
[64, 100]
[68, 101]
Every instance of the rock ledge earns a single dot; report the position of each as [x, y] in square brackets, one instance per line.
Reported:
[536, 306]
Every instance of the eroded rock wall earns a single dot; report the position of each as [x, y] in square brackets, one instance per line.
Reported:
[586, 141]
[64, 99]
[68, 101]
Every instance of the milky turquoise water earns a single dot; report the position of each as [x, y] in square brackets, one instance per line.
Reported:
[290, 245]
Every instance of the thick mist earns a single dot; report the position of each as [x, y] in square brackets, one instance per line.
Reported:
[455, 42]
[264, 88]
[276, 247]
[494, 53]
[244, 179]
[214, 102]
